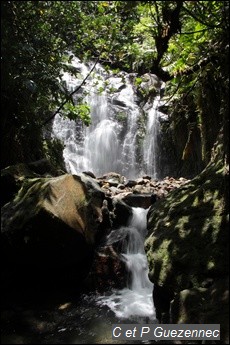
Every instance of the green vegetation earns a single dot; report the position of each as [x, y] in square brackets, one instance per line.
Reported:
[185, 43]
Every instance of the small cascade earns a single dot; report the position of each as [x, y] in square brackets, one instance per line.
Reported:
[135, 300]
[114, 141]
[150, 145]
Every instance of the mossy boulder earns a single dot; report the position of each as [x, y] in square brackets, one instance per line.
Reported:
[187, 243]
[13, 176]
[50, 226]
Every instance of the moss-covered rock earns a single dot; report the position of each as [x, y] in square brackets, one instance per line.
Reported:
[51, 225]
[13, 176]
[187, 242]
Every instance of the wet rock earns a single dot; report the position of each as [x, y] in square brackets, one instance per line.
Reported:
[138, 200]
[89, 173]
[118, 103]
[146, 177]
[130, 183]
[121, 186]
[108, 271]
[122, 212]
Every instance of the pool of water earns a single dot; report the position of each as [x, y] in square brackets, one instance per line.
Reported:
[61, 319]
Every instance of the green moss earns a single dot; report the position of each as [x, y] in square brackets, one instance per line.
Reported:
[121, 116]
[189, 232]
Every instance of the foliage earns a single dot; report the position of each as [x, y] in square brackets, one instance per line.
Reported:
[52, 148]
[79, 110]
[180, 41]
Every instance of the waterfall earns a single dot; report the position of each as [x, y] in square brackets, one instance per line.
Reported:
[114, 141]
[150, 144]
[136, 299]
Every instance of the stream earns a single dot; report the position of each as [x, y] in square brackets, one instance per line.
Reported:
[84, 317]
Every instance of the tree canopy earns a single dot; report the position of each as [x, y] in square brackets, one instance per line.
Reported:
[183, 42]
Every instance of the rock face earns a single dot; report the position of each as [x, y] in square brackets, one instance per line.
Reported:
[187, 250]
[50, 226]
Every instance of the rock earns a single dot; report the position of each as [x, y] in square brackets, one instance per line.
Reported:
[12, 178]
[201, 305]
[142, 181]
[108, 271]
[138, 189]
[122, 213]
[130, 183]
[146, 177]
[162, 298]
[43, 167]
[113, 175]
[118, 103]
[89, 173]
[114, 190]
[49, 228]
[106, 224]
[121, 186]
[113, 182]
[138, 200]
[186, 243]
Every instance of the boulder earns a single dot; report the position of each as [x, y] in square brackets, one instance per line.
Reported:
[187, 244]
[13, 176]
[49, 228]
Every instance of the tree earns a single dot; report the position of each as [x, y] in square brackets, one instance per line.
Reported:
[177, 40]
[34, 45]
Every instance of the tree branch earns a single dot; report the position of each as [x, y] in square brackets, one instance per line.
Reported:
[194, 32]
[199, 19]
[71, 94]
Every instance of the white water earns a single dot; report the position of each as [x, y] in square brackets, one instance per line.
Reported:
[136, 299]
[150, 144]
[110, 144]
[112, 140]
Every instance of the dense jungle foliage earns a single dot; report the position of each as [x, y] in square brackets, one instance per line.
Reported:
[185, 43]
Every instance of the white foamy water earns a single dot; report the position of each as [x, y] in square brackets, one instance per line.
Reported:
[112, 140]
[150, 144]
[136, 299]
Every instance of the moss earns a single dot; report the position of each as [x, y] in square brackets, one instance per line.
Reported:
[121, 116]
[189, 231]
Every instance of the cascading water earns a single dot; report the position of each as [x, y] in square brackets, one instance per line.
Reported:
[135, 300]
[110, 143]
[114, 140]
[150, 144]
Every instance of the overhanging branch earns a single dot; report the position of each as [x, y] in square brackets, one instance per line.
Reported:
[70, 95]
